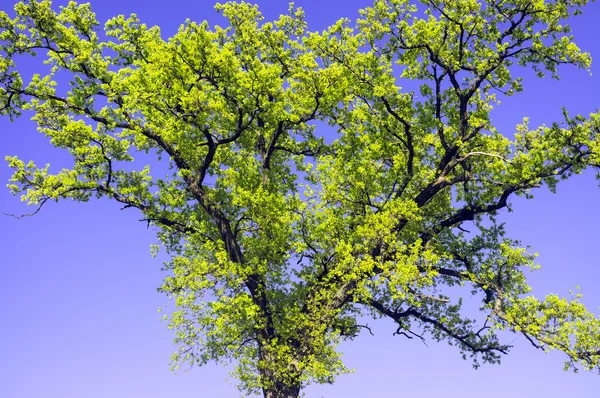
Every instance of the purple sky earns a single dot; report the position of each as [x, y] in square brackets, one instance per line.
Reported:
[79, 285]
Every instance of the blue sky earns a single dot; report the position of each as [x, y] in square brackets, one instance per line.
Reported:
[79, 285]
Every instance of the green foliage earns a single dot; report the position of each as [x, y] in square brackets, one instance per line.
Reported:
[280, 238]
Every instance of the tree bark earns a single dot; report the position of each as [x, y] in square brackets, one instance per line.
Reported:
[274, 385]
[284, 392]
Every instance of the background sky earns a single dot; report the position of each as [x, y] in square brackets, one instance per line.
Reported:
[78, 285]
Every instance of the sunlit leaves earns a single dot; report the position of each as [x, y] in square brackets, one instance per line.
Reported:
[284, 234]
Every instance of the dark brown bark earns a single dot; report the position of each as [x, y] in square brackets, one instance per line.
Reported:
[284, 392]
[277, 388]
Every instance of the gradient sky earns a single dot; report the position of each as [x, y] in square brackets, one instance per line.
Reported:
[79, 285]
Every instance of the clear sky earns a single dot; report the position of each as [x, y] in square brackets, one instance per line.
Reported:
[78, 285]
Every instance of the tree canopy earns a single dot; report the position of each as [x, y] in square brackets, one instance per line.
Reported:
[297, 187]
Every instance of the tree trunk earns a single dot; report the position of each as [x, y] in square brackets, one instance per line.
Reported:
[280, 378]
[274, 385]
[282, 392]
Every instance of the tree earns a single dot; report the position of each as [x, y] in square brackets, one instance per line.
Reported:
[282, 238]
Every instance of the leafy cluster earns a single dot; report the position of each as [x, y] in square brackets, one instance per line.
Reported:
[284, 233]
